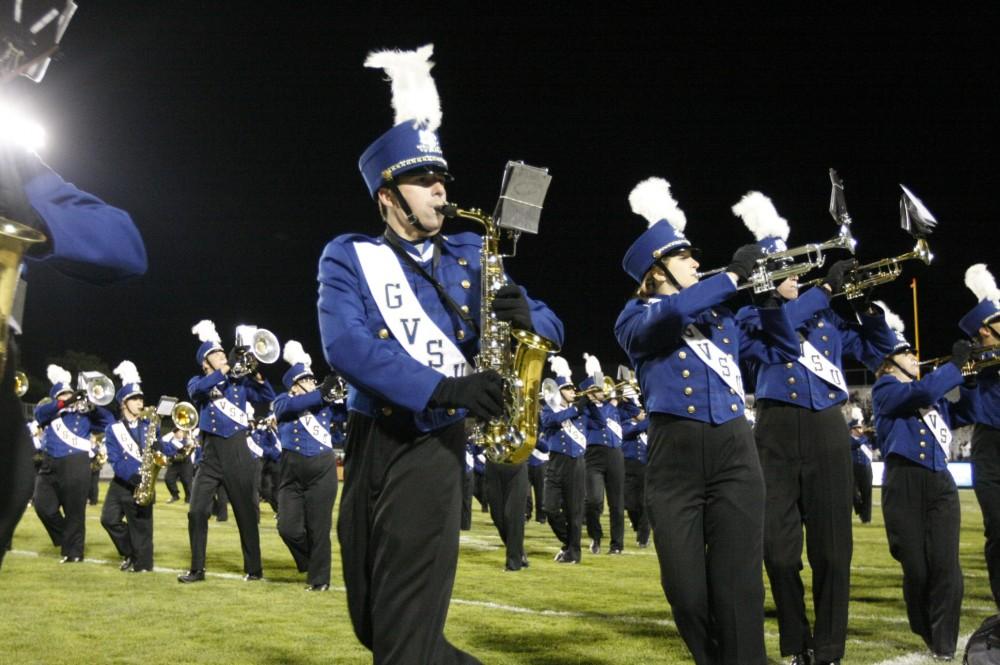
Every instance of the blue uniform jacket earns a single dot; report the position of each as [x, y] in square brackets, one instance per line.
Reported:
[268, 442]
[985, 397]
[857, 453]
[900, 429]
[634, 442]
[599, 432]
[125, 466]
[811, 316]
[210, 419]
[81, 424]
[357, 343]
[293, 435]
[672, 378]
[88, 239]
[555, 438]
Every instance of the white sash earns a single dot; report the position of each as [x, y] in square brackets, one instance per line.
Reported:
[252, 445]
[866, 449]
[716, 359]
[939, 428]
[316, 429]
[231, 411]
[816, 362]
[615, 427]
[644, 438]
[411, 326]
[537, 454]
[69, 437]
[128, 444]
[573, 432]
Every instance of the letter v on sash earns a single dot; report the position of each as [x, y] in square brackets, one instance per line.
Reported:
[411, 335]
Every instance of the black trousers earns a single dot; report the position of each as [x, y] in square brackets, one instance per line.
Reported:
[507, 489]
[95, 484]
[129, 525]
[183, 472]
[398, 532]
[467, 482]
[923, 519]
[863, 492]
[635, 499]
[536, 478]
[986, 481]
[60, 500]
[705, 497]
[806, 458]
[17, 473]
[565, 487]
[270, 481]
[479, 490]
[226, 463]
[605, 471]
[306, 494]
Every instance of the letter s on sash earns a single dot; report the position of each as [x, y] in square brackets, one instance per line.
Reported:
[434, 351]
[393, 300]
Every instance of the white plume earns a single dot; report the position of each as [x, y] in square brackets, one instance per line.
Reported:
[128, 372]
[560, 366]
[857, 414]
[57, 374]
[414, 95]
[759, 215]
[980, 281]
[592, 366]
[651, 198]
[206, 332]
[294, 353]
[891, 318]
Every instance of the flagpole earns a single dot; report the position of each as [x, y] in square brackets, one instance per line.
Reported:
[916, 318]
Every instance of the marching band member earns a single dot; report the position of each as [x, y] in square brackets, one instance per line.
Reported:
[804, 447]
[704, 489]
[861, 453]
[920, 502]
[982, 324]
[308, 485]
[507, 489]
[129, 524]
[605, 464]
[63, 481]
[565, 431]
[226, 458]
[636, 453]
[265, 433]
[181, 467]
[536, 480]
[394, 321]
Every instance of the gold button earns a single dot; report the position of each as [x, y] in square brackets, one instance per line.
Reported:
[386, 411]
[923, 444]
[451, 412]
[794, 395]
[725, 340]
[719, 327]
[831, 395]
[460, 334]
[466, 283]
[923, 431]
[383, 334]
[923, 456]
[688, 390]
[820, 324]
[682, 355]
[826, 352]
[825, 338]
[789, 365]
[295, 439]
[714, 314]
[732, 392]
[691, 409]
[791, 380]
[462, 261]
[465, 309]
[734, 408]
[686, 373]
[657, 253]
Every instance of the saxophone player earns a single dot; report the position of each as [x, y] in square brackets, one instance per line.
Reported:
[63, 480]
[129, 524]
[394, 316]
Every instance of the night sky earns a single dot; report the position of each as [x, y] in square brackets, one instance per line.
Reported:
[231, 134]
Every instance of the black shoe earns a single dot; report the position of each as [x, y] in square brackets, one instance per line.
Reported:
[560, 555]
[542, 520]
[191, 576]
[125, 564]
[615, 550]
[253, 577]
[140, 570]
[942, 656]
[173, 499]
[318, 587]
[641, 545]
[595, 546]
[71, 559]
[804, 658]
[566, 559]
[524, 561]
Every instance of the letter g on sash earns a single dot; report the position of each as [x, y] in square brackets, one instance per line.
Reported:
[392, 297]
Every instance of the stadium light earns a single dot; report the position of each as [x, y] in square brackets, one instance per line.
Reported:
[18, 129]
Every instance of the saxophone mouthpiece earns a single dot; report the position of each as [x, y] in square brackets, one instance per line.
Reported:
[449, 210]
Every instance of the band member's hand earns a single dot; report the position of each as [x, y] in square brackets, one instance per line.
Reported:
[235, 355]
[135, 480]
[961, 351]
[481, 394]
[329, 388]
[510, 305]
[835, 275]
[744, 260]
[75, 397]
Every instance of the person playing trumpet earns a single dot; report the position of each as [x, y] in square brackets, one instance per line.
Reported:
[63, 480]
[227, 460]
[704, 488]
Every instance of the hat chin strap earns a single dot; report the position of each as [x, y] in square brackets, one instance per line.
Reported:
[405, 207]
[670, 276]
[892, 359]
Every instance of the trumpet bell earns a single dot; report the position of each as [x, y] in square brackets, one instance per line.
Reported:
[99, 388]
[265, 346]
[185, 416]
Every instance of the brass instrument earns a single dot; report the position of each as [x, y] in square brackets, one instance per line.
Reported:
[100, 457]
[861, 278]
[15, 240]
[185, 417]
[20, 383]
[338, 392]
[517, 355]
[980, 358]
[99, 389]
[607, 386]
[254, 346]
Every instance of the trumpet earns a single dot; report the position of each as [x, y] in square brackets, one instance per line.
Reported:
[861, 278]
[254, 346]
[980, 358]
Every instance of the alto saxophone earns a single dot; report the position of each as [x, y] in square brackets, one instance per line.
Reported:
[517, 355]
[152, 460]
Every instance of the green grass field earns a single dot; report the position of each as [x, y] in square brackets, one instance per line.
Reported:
[607, 610]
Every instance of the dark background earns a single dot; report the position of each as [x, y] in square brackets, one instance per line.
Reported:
[231, 133]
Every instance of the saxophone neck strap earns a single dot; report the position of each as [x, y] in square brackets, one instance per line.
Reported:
[394, 242]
